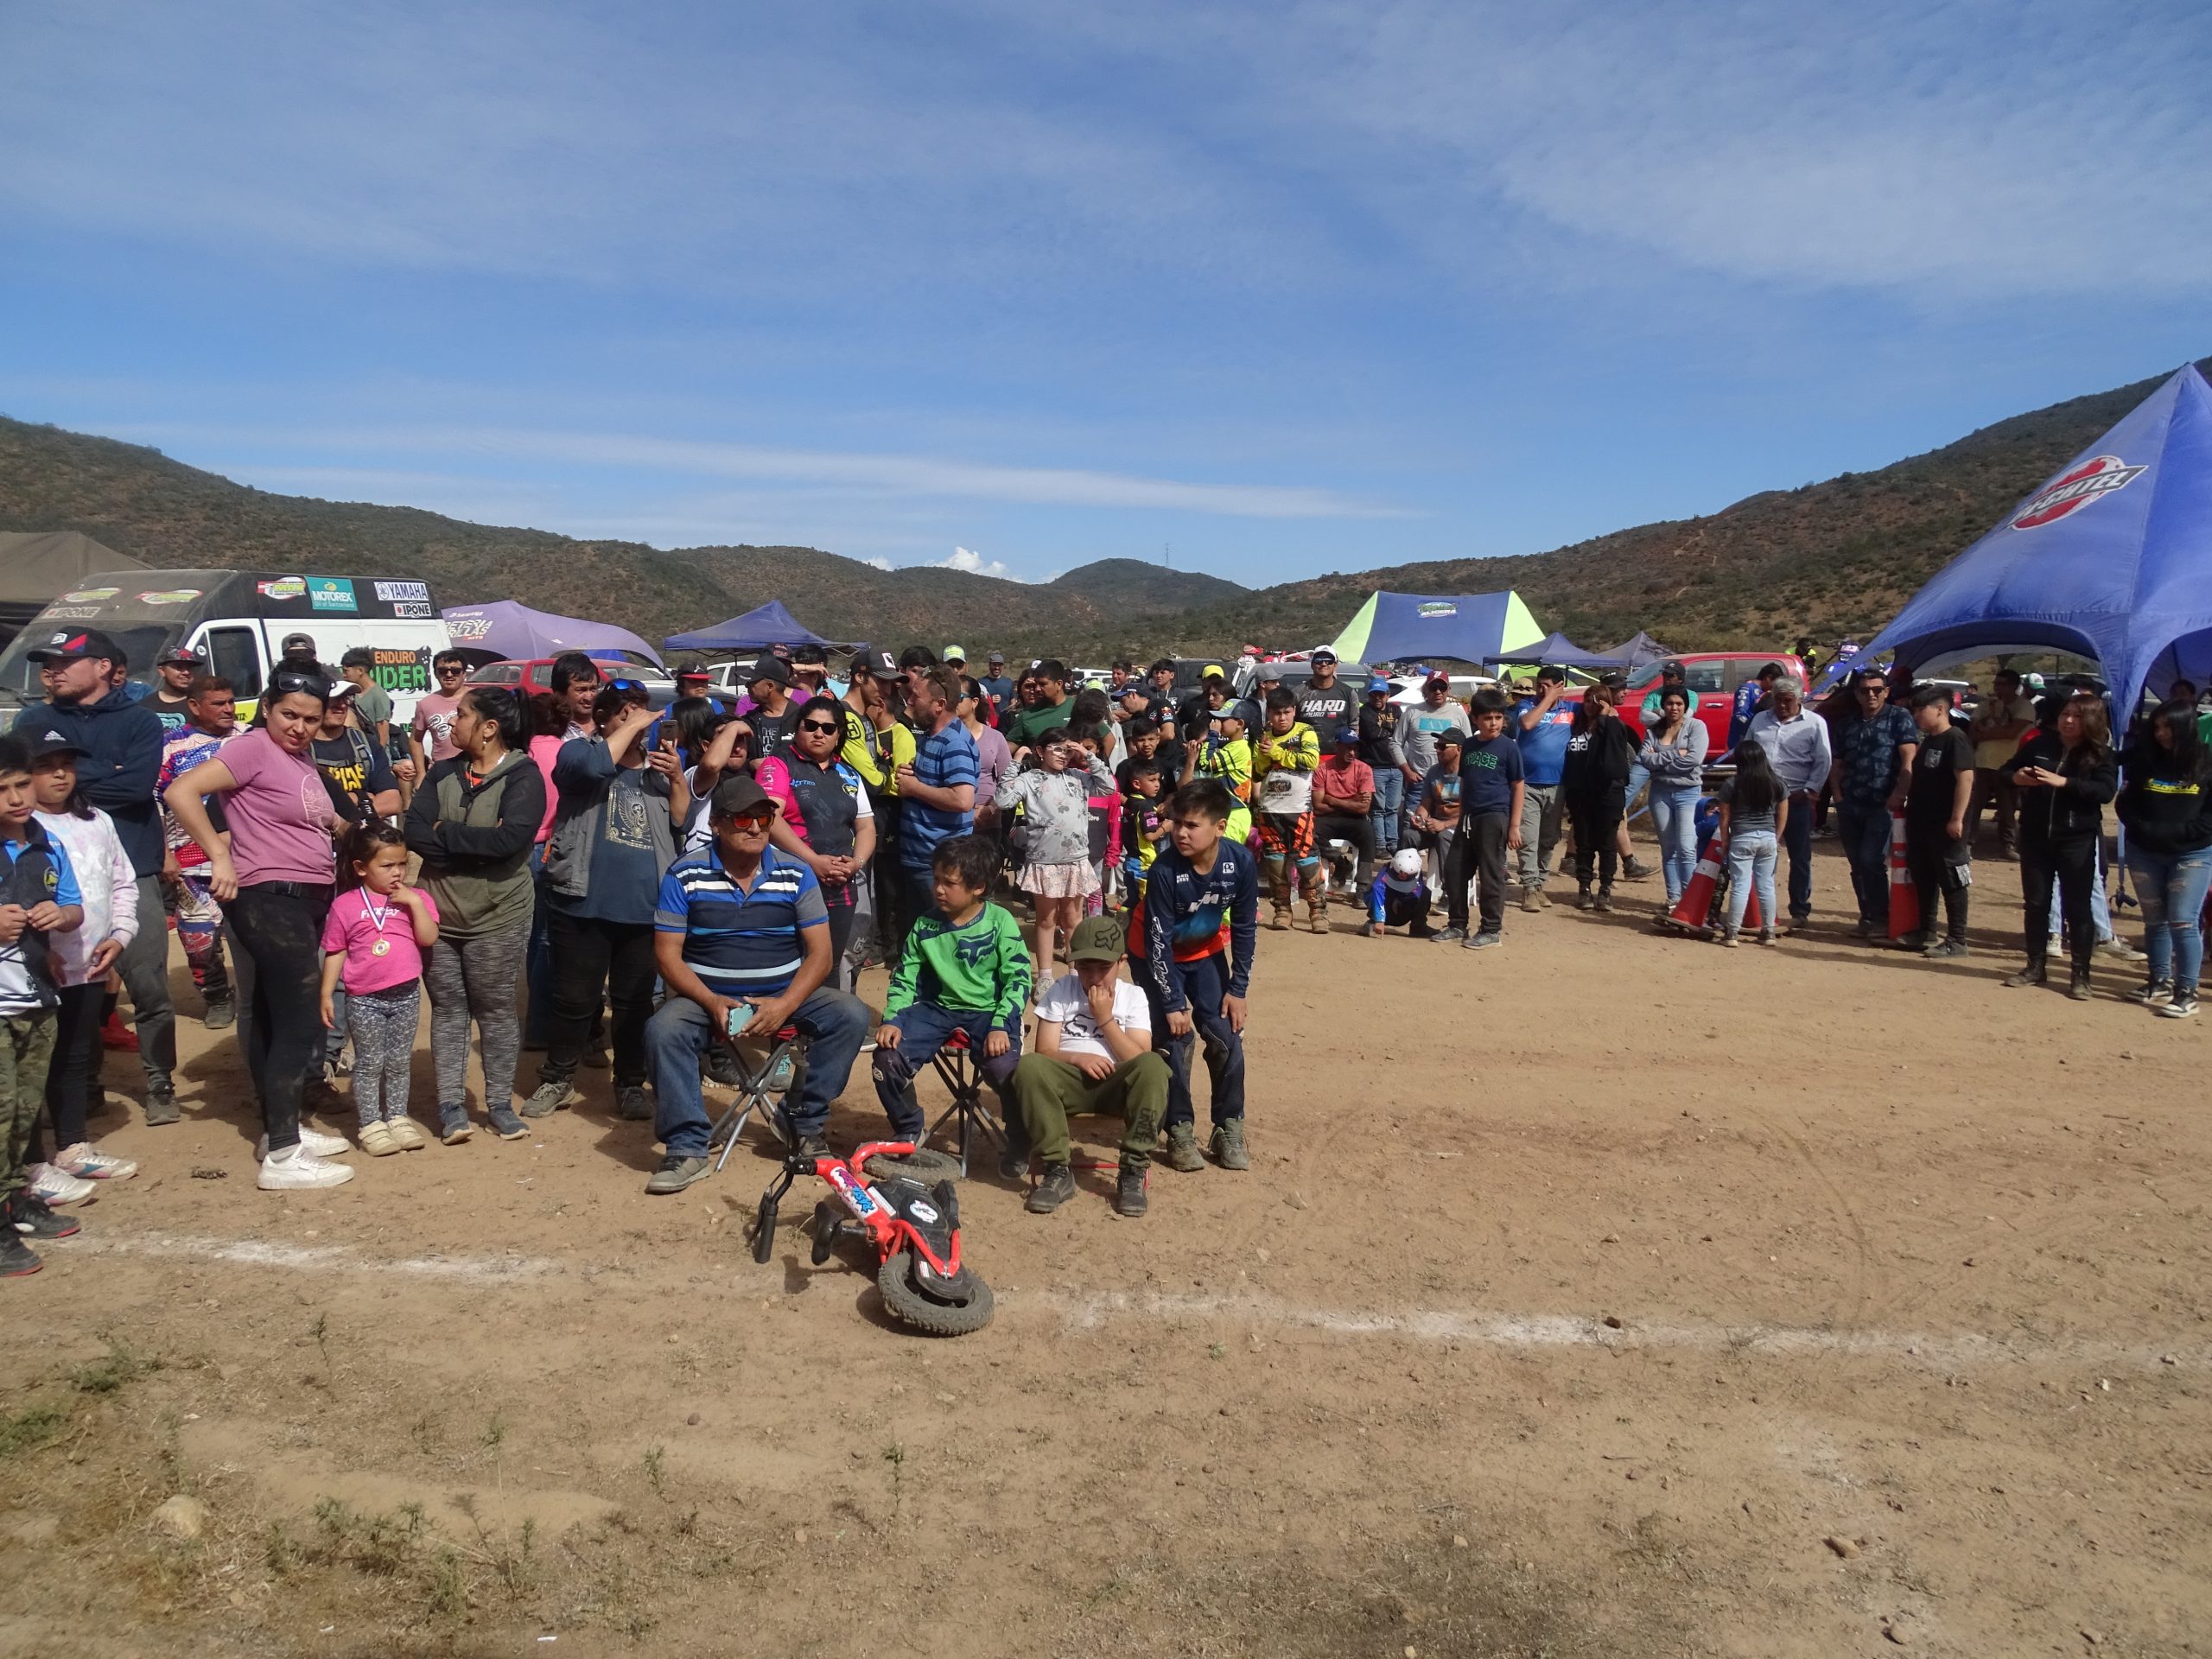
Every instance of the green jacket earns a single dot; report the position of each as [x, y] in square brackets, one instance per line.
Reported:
[983, 967]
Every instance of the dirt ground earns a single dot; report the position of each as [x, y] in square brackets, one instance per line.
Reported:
[1604, 1295]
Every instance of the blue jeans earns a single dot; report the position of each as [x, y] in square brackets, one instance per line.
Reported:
[680, 1031]
[923, 1029]
[1204, 982]
[2171, 888]
[1674, 814]
[1389, 796]
[1750, 862]
[1797, 842]
[1865, 832]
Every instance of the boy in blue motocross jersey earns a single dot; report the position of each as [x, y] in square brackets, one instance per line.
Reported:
[1193, 958]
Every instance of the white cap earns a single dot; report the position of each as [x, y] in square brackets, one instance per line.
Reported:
[1405, 862]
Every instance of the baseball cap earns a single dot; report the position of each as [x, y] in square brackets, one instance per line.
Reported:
[342, 690]
[304, 641]
[997, 656]
[1227, 711]
[67, 645]
[955, 654]
[54, 742]
[1213, 673]
[1453, 737]
[1378, 684]
[1439, 677]
[1270, 672]
[1324, 655]
[1347, 735]
[182, 656]
[768, 667]
[692, 674]
[1405, 862]
[881, 664]
[734, 795]
[1096, 939]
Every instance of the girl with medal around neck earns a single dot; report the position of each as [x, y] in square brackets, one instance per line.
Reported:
[374, 937]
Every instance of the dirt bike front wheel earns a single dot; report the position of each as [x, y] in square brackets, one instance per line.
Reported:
[937, 1311]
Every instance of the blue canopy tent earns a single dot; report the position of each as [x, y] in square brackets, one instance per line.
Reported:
[1641, 651]
[757, 630]
[2110, 559]
[1420, 627]
[1556, 648]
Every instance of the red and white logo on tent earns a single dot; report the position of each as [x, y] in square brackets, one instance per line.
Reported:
[2092, 480]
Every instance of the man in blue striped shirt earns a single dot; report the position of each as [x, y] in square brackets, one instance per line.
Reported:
[936, 790]
[741, 927]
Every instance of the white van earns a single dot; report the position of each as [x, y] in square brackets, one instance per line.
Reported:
[237, 620]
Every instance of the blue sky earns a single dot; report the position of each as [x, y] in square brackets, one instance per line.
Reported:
[1286, 288]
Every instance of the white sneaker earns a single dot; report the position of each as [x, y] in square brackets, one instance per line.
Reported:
[88, 1163]
[314, 1142]
[297, 1169]
[57, 1185]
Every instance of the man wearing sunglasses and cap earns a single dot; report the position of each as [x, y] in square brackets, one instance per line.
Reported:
[998, 690]
[741, 939]
[121, 741]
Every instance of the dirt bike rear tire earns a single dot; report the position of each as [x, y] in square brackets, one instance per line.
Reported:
[894, 1280]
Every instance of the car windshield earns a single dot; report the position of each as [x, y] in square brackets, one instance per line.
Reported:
[139, 641]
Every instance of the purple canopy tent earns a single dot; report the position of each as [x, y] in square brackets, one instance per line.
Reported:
[507, 630]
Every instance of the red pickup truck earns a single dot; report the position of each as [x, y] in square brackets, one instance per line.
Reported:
[1714, 675]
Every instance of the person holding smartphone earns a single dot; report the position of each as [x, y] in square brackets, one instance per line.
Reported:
[741, 939]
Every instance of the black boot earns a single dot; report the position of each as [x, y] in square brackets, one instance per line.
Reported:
[1055, 1189]
[2033, 974]
[2079, 990]
[1582, 899]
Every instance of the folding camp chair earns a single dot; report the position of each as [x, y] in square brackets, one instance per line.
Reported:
[763, 1087]
[955, 1064]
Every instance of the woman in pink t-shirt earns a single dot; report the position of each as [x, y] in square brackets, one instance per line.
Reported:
[273, 878]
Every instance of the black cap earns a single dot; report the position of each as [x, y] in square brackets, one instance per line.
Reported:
[734, 795]
[768, 667]
[304, 641]
[881, 664]
[178, 657]
[42, 744]
[695, 672]
[67, 645]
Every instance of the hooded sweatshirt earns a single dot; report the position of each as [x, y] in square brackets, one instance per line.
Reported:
[475, 841]
[122, 745]
[2165, 811]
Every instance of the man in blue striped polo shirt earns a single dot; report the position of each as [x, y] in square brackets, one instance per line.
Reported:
[743, 926]
[936, 790]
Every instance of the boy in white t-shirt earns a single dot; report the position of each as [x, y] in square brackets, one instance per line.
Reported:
[1093, 1053]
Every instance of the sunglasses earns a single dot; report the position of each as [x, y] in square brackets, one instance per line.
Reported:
[752, 817]
[449, 670]
[819, 726]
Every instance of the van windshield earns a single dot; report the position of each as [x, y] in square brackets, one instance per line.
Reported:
[139, 641]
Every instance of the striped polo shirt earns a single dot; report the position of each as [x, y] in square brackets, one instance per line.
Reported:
[741, 944]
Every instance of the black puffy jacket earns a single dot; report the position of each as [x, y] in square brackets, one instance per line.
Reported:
[2074, 812]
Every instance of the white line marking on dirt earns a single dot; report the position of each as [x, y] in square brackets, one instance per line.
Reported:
[317, 1258]
[1535, 1332]
[1086, 1310]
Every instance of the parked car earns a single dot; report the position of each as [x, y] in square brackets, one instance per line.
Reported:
[1295, 672]
[534, 674]
[1713, 674]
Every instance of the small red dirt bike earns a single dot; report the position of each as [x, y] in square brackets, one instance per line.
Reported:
[901, 1200]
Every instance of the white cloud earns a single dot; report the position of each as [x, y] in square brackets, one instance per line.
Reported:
[890, 475]
[975, 565]
[877, 563]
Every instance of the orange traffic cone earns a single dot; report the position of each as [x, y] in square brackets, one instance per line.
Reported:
[1904, 898]
[1693, 911]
